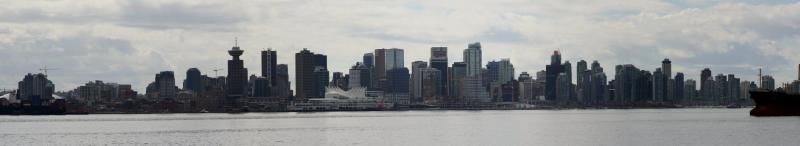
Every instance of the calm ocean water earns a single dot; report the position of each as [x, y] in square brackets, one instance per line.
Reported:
[540, 127]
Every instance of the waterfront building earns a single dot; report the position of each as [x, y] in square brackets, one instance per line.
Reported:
[472, 58]
[457, 72]
[237, 77]
[269, 61]
[397, 86]
[35, 89]
[193, 81]
[417, 80]
[439, 61]
[552, 73]
[311, 75]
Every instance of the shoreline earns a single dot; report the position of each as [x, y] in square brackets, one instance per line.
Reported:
[397, 110]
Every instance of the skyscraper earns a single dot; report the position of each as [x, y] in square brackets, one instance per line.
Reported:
[457, 74]
[237, 77]
[269, 61]
[397, 86]
[566, 83]
[659, 88]
[282, 86]
[666, 67]
[679, 91]
[690, 90]
[704, 76]
[473, 89]
[368, 59]
[379, 69]
[193, 81]
[394, 59]
[322, 80]
[472, 57]
[310, 71]
[439, 61]
[359, 76]
[165, 84]
[552, 72]
[596, 89]
[583, 76]
[416, 80]
[625, 81]
[668, 85]
[429, 84]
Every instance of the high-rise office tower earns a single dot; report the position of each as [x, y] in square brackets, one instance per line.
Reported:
[310, 71]
[666, 67]
[552, 72]
[526, 87]
[193, 81]
[369, 59]
[269, 61]
[394, 58]
[282, 86]
[429, 79]
[457, 74]
[379, 69]
[473, 88]
[416, 80]
[472, 57]
[359, 76]
[385, 60]
[439, 61]
[397, 84]
[237, 77]
[582, 76]
[323, 80]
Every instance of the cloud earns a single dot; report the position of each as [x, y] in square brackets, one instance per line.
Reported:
[130, 41]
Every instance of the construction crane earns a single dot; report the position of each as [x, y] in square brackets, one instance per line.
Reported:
[217, 70]
[45, 69]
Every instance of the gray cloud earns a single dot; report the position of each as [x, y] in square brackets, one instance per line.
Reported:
[170, 15]
[130, 41]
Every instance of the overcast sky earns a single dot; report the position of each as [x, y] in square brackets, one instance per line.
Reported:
[128, 42]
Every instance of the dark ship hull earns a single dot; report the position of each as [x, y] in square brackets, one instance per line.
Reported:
[771, 103]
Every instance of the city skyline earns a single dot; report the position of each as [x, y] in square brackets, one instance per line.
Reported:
[92, 49]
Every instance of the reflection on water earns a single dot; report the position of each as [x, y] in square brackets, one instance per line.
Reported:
[566, 127]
